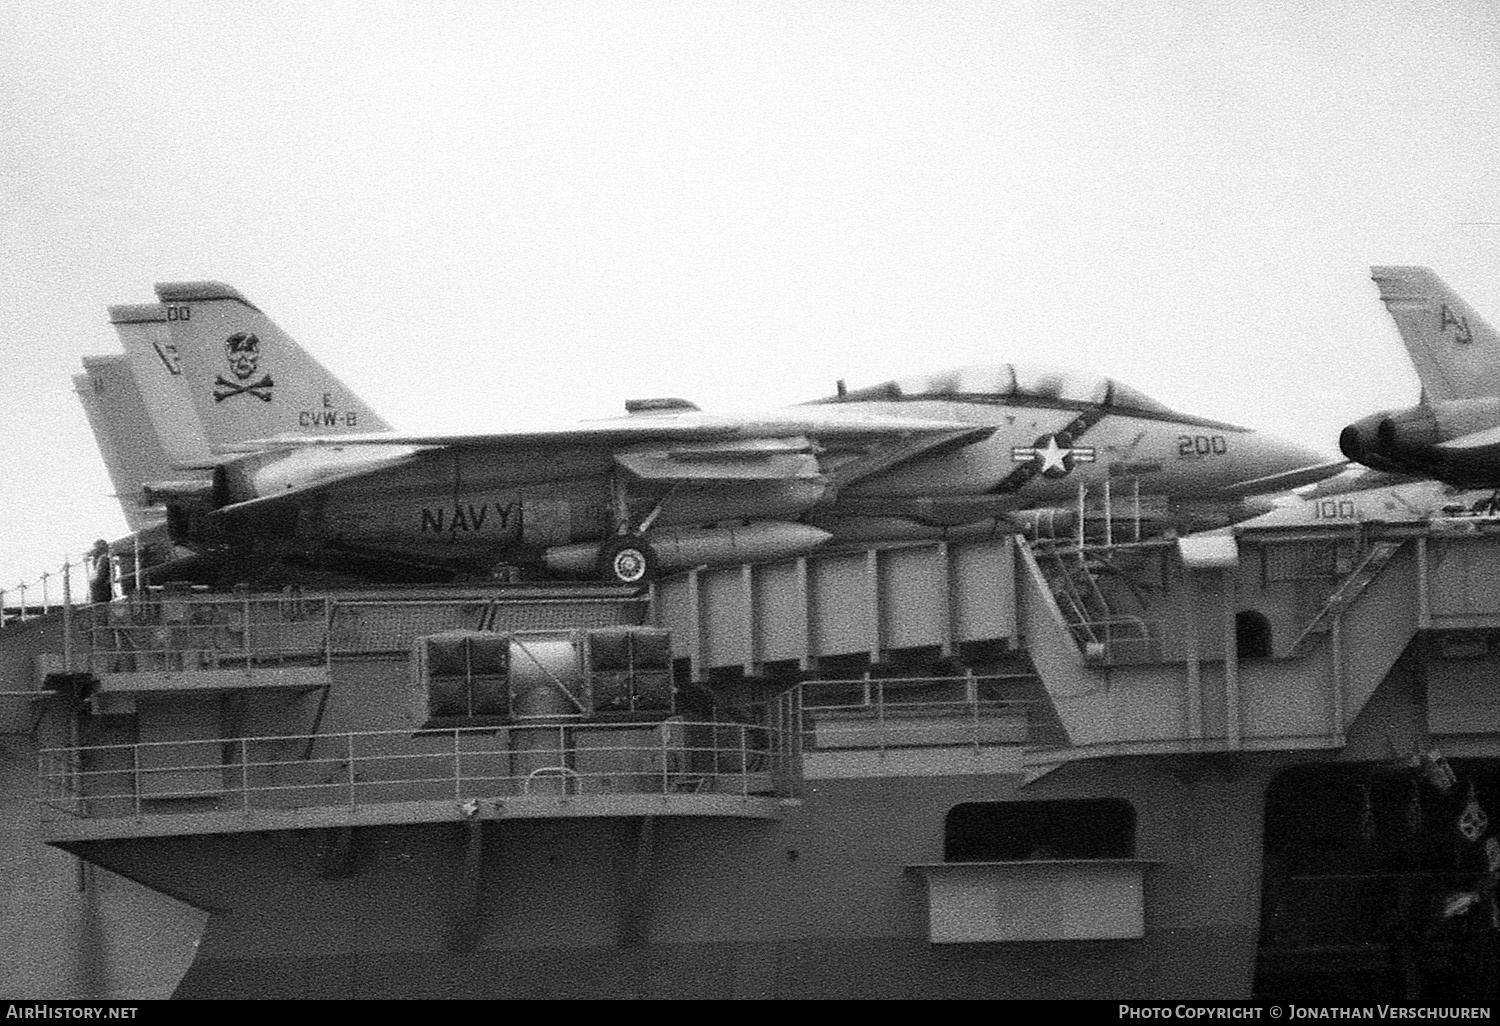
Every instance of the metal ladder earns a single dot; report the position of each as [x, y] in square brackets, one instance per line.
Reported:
[1344, 595]
[1084, 605]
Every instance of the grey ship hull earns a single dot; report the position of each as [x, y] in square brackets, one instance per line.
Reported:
[816, 904]
[1315, 668]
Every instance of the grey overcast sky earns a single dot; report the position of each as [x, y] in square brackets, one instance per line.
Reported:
[488, 213]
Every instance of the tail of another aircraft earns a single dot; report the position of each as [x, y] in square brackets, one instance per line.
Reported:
[1455, 351]
[133, 451]
[246, 378]
[156, 373]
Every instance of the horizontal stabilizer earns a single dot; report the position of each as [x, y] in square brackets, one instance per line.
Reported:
[284, 501]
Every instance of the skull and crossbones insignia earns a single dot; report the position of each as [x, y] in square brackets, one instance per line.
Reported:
[242, 349]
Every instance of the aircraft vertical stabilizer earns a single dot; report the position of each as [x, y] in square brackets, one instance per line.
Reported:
[157, 380]
[133, 451]
[247, 378]
[1455, 351]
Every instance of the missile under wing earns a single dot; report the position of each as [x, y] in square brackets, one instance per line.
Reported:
[669, 485]
[1453, 433]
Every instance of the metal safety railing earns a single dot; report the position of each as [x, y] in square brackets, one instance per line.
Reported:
[173, 628]
[170, 627]
[46, 594]
[906, 712]
[102, 574]
[167, 630]
[390, 627]
[354, 770]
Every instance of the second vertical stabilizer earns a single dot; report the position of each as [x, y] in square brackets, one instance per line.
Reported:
[133, 452]
[157, 373]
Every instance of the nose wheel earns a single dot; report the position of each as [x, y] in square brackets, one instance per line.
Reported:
[627, 559]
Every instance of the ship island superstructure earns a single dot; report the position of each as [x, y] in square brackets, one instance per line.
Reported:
[1088, 766]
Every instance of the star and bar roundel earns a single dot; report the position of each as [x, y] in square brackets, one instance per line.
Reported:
[1053, 455]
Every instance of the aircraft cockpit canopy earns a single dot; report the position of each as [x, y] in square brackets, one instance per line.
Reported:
[1010, 383]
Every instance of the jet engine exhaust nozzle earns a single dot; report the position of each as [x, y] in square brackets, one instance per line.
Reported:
[1352, 443]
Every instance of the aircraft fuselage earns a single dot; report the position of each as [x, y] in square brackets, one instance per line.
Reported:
[487, 504]
[1040, 455]
[480, 505]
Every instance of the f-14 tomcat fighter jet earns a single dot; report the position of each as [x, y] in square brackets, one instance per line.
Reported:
[1453, 433]
[282, 460]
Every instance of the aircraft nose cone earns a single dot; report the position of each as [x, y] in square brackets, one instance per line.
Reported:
[1281, 454]
[1284, 464]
